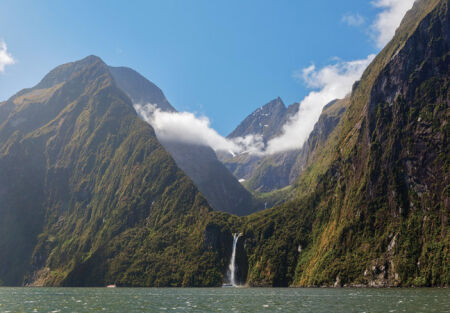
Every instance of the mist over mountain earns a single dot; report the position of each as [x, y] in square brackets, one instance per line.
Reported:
[198, 161]
[267, 121]
[267, 173]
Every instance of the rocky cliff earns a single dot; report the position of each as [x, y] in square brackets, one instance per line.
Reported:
[372, 208]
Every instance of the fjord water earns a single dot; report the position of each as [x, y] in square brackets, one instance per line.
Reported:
[223, 300]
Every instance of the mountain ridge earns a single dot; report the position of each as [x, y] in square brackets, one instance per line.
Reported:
[199, 162]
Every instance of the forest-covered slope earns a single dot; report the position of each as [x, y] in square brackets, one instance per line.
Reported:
[373, 207]
[88, 196]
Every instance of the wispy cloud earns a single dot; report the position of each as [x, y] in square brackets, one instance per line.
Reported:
[5, 57]
[328, 83]
[186, 127]
[388, 19]
[331, 82]
[353, 19]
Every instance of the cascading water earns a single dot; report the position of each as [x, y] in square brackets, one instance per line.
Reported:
[232, 266]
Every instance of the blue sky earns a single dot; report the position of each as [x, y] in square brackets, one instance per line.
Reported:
[222, 59]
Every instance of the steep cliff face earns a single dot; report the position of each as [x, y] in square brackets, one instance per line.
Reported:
[373, 206]
[88, 196]
[317, 140]
[200, 163]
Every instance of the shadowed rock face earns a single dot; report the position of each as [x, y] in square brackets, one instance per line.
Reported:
[139, 89]
[217, 184]
[200, 163]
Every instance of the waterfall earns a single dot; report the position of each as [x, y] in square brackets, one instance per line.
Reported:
[232, 266]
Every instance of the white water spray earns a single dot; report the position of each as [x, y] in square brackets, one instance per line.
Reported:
[232, 266]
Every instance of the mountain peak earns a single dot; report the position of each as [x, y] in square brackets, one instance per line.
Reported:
[91, 59]
[63, 72]
[274, 104]
[266, 120]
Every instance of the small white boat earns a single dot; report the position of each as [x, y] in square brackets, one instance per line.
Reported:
[111, 286]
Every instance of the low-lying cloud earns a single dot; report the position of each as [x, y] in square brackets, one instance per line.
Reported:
[5, 57]
[389, 19]
[331, 82]
[186, 127]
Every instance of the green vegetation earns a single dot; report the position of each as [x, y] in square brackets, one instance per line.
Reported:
[372, 209]
[89, 197]
[104, 203]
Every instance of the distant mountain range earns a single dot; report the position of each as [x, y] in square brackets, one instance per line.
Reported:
[267, 173]
[89, 196]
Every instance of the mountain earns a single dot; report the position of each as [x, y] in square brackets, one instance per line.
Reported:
[199, 162]
[268, 173]
[89, 197]
[372, 207]
[266, 121]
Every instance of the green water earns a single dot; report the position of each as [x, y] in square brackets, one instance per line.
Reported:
[223, 300]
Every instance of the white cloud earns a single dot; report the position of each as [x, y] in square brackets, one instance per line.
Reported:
[389, 19]
[334, 82]
[5, 57]
[186, 127]
[353, 19]
[328, 83]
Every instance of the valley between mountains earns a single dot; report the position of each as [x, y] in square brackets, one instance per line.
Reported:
[91, 195]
